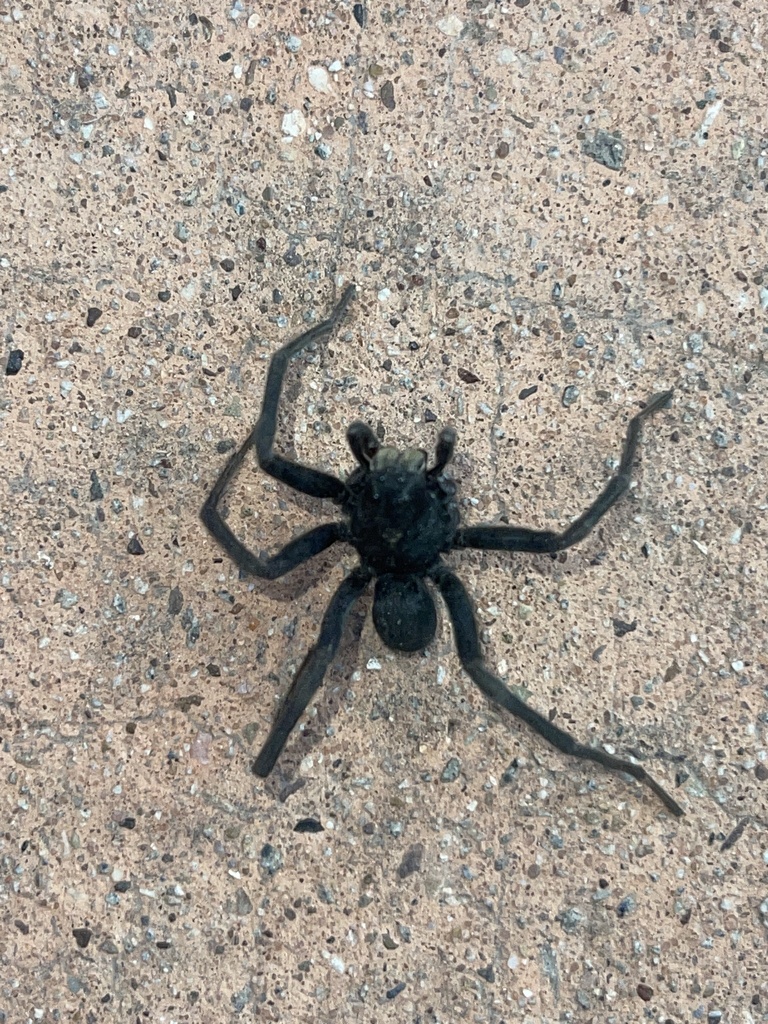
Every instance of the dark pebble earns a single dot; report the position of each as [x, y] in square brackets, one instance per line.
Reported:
[228, 265]
[608, 150]
[271, 859]
[394, 992]
[570, 395]
[93, 315]
[621, 628]
[387, 94]
[128, 823]
[175, 601]
[411, 862]
[134, 546]
[193, 700]
[735, 835]
[82, 936]
[429, 416]
[15, 359]
[97, 491]
[527, 392]
[308, 825]
[361, 15]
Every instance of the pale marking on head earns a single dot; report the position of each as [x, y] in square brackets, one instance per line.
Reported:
[412, 460]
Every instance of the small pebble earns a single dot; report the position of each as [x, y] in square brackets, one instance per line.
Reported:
[451, 26]
[319, 79]
[15, 359]
[270, 859]
[294, 124]
[570, 395]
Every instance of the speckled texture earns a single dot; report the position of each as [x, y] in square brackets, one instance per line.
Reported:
[179, 194]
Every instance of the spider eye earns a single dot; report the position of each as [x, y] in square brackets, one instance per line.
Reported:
[404, 613]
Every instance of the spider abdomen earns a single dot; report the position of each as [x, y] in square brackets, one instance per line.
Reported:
[404, 613]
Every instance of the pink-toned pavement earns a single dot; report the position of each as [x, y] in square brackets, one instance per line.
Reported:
[551, 212]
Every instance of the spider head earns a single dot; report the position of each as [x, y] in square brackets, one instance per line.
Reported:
[396, 486]
[412, 461]
[404, 613]
[402, 513]
[400, 460]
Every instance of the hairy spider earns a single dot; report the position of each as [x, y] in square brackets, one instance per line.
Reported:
[401, 516]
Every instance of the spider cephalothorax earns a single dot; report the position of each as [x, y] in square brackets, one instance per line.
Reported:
[401, 517]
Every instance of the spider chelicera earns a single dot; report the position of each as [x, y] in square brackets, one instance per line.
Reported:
[401, 516]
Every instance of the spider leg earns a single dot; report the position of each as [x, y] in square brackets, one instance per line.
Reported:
[468, 647]
[518, 538]
[363, 442]
[271, 567]
[301, 478]
[446, 444]
[312, 670]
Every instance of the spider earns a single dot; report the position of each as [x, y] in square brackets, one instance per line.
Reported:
[401, 516]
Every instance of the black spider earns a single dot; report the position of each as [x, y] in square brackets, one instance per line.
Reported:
[401, 516]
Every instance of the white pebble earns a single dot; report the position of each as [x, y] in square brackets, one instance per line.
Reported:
[294, 124]
[319, 80]
[451, 26]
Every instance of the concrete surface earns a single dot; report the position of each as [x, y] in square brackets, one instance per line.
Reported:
[563, 197]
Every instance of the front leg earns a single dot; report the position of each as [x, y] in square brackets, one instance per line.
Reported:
[271, 567]
[520, 538]
[301, 478]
